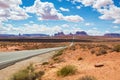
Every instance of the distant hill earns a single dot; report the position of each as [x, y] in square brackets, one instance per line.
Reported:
[34, 35]
[112, 35]
[81, 33]
[7, 35]
[78, 33]
[59, 34]
[23, 35]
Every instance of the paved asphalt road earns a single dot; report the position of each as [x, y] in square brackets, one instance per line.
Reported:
[9, 58]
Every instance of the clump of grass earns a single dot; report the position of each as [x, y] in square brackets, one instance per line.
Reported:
[116, 48]
[58, 60]
[39, 74]
[67, 70]
[58, 53]
[87, 78]
[80, 58]
[45, 63]
[103, 46]
[27, 74]
[23, 75]
[101, 52]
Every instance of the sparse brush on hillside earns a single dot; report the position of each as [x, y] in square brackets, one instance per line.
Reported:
[67, 70]
[58, 60]
[45, 63]
[116, 48]
[58, 53]
[101, 51]
[87, 78]
[27, 74]
[103, 46]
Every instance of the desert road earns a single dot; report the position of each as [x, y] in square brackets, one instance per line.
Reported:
[9, 58]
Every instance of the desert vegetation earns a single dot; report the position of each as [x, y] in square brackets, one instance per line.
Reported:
[67, 70]
[116, 48]
[27, 74]
[82, 61]
[60, 52]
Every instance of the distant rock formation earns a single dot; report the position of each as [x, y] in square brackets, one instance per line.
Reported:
[70, 34]
[78, 33]
[7, 35]
[112, 35]
[59, 34]
[23, 35]
[34, 35]
[81, 33]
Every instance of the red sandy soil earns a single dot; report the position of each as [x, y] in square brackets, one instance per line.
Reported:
[110, 70]
[18, 46]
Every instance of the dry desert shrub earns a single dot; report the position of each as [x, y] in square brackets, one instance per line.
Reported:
[27, 74]
[116, 48]
[58, 53]
[67, 70]
[101, 51]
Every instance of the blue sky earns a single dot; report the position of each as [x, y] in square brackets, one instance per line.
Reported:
[96, 17]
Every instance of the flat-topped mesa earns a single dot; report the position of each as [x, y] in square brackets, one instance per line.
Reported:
[78, 33]
[112, 35]
[59, 34]
[81, 33]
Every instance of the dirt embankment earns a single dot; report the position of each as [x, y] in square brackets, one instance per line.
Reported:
[98, 60]
[18, 46]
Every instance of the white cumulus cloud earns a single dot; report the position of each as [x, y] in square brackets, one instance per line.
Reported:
[105, 7]
[89, 24]
[73, 18]
[64, 9]
[10, 9]
[78, 7]
[47, 11]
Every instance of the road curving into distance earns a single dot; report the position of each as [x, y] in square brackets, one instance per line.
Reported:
[9, 58]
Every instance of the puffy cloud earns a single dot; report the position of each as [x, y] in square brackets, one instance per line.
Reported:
[102, 3]
[78, 7]
[105, 7]
[65, 26]
[113, 13]
[73, 18]
[94, 32]
[47, 11]
[89, 24]
[95, 3]
[10, 9]
[7, 29]
[44, 10]
[64, 9]
[85, 2]
[3, 5]
[28, 28]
